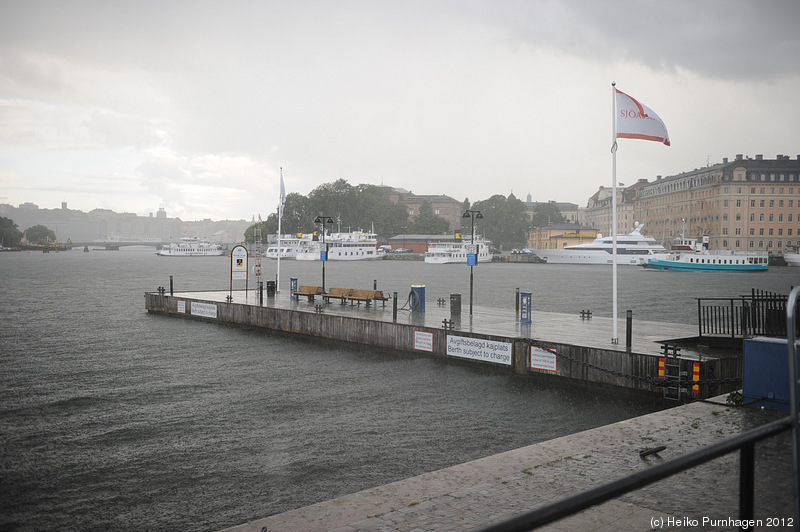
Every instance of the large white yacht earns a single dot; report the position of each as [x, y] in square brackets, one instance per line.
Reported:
[632, 249]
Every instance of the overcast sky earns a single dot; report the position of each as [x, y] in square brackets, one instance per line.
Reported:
[195, 106]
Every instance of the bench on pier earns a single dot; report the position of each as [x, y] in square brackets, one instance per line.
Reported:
[355, 295]
[337, 293]
[308, 291]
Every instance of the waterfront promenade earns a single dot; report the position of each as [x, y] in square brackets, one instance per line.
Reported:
[483, 492]
[575, 347]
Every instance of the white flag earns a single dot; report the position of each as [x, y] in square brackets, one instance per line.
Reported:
[637, 121]
[283, 190]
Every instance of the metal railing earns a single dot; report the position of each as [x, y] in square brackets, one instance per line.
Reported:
[744, 443]
[758, 314]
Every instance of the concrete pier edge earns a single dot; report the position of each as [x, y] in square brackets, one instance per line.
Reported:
[482, 492]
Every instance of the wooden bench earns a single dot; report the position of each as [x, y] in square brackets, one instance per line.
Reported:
[308, 291]
[337, 293]
[367, 296]
[355, 295]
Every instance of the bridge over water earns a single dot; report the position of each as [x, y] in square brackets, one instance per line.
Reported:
[116, 244]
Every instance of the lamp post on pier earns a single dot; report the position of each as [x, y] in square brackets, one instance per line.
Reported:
[322, 220]
[472, 254]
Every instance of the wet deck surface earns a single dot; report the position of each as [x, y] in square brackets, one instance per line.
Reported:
[595, 332]
[483, 492]
[499, 487]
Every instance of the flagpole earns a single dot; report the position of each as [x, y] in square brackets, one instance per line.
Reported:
[280, 215]
[614, 336]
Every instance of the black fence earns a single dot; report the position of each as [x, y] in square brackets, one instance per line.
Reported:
[759, 314]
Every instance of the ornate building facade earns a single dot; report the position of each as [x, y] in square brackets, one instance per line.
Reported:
[747, 204]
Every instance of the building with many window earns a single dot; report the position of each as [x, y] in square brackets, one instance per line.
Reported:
[442, 206]
[748, 204]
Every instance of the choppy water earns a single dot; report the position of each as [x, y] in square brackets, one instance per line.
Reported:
[112, 419]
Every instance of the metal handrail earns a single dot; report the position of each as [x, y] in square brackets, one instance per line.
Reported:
[791, 305]
[744, 442]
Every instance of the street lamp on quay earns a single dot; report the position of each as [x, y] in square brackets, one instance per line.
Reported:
[322, 220]
[472, 256]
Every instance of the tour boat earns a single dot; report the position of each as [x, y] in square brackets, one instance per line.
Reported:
[687, 254]
[711, 261]
[190, 247]
[456, 251]
[357, 245]
[287, 247]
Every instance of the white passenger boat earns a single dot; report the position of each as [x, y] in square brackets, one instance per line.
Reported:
[711, 261]
[190, 247]
[287, 247]
[455, 251]
[357, 245]
[632, 249]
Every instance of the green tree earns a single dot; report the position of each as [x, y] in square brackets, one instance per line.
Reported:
[505, 221]
[10, 235]
[545, 214]
[356, 207]
[427, 223]
[39, 234]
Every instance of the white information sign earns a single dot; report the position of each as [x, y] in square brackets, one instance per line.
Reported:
[543, 359]
[181, 306]
[423, 341]
[206, 310]
[239, 263]
[479, 349]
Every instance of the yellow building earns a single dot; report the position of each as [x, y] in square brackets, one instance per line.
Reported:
[557, 236]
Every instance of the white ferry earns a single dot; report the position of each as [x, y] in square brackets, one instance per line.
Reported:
[357, 245]
[688, 255]
[190, 247]
[455, 251]
[289, 245]
[632, 249]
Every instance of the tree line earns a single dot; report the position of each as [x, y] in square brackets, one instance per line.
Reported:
[365, 207]
[11, 236]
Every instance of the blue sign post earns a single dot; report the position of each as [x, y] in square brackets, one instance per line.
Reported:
[292, 288]
[525, 307]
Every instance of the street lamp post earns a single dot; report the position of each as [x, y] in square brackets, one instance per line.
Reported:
[472, 261]
[322, 220]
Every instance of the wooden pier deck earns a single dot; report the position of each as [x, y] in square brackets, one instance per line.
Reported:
[569, 346]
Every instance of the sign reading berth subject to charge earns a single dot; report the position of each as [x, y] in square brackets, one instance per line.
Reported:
[239, 263]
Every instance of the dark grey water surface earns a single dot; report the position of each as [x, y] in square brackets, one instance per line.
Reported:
[112, 419]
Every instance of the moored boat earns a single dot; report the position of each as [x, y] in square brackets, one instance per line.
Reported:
[190, 247]
[632, 249]
[287, 246]
[356, 245]
[792, 258]
[711, 261]
[456, 251]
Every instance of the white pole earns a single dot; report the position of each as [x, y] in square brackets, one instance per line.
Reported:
[280, 215]
[614, 336]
